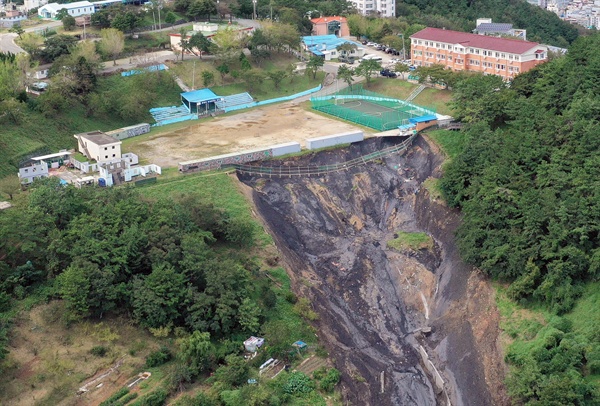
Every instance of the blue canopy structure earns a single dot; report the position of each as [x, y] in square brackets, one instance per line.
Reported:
[422, 119]
[200, 101]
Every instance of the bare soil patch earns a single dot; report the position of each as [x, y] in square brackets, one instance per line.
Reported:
[252, 129]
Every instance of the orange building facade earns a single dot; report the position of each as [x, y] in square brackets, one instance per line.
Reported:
[337, 26]
[476, 53]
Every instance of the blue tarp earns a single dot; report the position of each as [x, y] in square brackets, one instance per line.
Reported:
[152, 68]
[200, 96]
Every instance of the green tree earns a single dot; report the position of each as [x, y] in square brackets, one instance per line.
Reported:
[367, 68]
[401, 69]
[346, 74]
[62, 13]
[346, 48]
[11, 111]
[17, 29]
[208, 78]
[124, 22]
[112, 43]
[277, 77]
[158, 297]
[313, 65]
[197, 352]
[248, 316]
[68, 22]
[223, 69]
[170, 18]
[200, 43]
[235, 371]
[9, 185]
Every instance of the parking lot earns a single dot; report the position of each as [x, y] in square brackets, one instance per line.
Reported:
[387, 60]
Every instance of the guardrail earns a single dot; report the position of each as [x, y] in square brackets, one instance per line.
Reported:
[289, 171]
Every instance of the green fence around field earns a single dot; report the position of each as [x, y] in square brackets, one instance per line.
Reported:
[368, 108]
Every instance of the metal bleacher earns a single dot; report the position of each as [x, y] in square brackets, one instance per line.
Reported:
[173, 114]
[234, 100]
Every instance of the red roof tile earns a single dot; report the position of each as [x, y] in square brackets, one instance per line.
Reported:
[327, 19]
[513, 46]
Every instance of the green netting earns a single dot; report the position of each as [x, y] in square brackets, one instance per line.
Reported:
[369, 108]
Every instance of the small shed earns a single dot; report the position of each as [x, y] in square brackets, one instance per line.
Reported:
[423, 121]
[201, 101]
[253, 343]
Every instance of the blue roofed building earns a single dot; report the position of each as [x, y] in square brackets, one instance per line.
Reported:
[326, 46]
[201, 101]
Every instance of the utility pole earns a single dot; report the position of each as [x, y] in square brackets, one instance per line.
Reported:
[194, 76]
[254, 8]
[403, 47]
[271, 12]
[159, 7]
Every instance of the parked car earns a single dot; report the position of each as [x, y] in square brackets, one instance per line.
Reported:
[371, 56]
[412, 67]
[388, 73]
[371, 44]
[346, 59]
[395, 60]
[365, 42]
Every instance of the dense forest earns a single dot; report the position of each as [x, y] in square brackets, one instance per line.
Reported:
[528, 183]
[541, 25]
[176, 266]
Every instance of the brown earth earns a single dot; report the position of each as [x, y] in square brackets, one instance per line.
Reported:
[372, 301]
[256, 128]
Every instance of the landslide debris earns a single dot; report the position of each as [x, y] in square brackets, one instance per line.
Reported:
[398, 323]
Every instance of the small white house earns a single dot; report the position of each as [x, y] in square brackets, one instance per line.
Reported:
[32, 171]
[76, 9]
[38, 167]
[253, 343]
[99, 146]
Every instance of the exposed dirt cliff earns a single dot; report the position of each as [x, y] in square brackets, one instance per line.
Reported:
[404, 327]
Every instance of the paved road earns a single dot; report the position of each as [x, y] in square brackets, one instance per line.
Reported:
[7, 41]
[7, 44]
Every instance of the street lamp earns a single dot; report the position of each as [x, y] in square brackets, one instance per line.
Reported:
[254, 16]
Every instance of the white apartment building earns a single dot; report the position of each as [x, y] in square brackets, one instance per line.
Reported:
[380, 8]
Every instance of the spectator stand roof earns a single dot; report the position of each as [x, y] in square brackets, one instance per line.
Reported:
[422, 119]
[319, 43]
[203, 97]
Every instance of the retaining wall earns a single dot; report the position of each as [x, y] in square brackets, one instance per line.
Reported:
[336, 139]
[216, 162]
[131, 131]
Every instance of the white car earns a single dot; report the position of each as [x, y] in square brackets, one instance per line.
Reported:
[373, 57]
[371, 44]
[395, 60]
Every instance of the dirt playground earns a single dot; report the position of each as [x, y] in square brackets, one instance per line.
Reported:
[248, 130]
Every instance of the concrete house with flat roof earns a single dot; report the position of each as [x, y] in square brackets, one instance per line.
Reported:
[98, 146]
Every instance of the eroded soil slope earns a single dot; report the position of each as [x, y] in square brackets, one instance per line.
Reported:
[377, 305]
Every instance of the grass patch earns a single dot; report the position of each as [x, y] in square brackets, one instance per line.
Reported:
[433, 187]
[213, 187]
[411, 241]
[451, 142]
[436, 98]
[398, 89]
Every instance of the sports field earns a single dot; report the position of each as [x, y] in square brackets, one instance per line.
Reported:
[368, 108]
